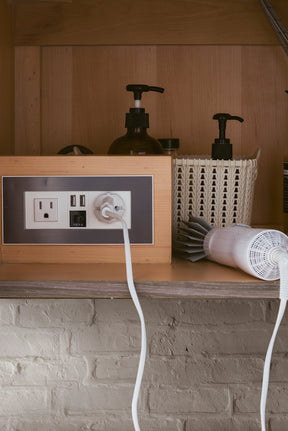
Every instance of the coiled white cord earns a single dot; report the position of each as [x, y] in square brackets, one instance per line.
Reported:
[129, 274]
[282, 258]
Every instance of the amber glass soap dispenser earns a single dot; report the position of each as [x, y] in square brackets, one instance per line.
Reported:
[137, 141]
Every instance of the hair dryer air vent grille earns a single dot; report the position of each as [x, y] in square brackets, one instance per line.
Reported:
[260, 253]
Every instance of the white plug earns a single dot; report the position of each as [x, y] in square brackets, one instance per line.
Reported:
[109, 207]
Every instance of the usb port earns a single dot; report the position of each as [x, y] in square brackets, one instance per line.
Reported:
[82, 200]
[73, 200]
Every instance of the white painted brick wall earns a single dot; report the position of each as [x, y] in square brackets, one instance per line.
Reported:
[70, 365]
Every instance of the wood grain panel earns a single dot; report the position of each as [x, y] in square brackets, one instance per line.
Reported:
[100, 76]
[158, 166]
[265, 109]
[27, 100]
[84, 96]
[56, 100]
[110, 22]
[85, 101]
[6, 80]
[178, 271]
[181, 279]
[200, 81]
[22, 2]
[152, 289]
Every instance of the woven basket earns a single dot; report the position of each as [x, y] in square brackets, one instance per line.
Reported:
[220, 191]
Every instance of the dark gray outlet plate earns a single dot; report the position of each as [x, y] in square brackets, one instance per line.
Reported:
[14, 232]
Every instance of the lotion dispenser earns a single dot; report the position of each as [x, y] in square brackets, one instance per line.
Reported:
[137, 141]
[222, 149]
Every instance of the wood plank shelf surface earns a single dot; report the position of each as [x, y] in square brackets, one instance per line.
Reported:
[181, 279]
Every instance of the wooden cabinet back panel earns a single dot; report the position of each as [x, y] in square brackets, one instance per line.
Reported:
[84, 101]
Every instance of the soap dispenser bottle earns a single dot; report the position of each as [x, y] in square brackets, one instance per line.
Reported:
[222, 149]
[137, 141]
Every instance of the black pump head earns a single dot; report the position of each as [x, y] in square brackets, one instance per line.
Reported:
[222, 149]
[137, 116]
[138, 89]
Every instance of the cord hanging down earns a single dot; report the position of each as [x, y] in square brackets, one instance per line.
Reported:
[107, 212]
[282, 258]
[143, 328]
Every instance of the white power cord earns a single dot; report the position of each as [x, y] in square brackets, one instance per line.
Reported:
[282, 258]
[106, 212]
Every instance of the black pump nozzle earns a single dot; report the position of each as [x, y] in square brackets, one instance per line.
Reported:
[137, 116]
[138, 89]
[222, 149]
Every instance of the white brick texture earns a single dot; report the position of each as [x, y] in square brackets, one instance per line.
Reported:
[70, 365]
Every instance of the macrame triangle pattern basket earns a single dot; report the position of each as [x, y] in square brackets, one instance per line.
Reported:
[220, 191]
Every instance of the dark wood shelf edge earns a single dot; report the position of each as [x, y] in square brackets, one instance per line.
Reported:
[149, 289]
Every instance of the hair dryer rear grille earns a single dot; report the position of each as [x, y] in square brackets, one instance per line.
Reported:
[260, 253]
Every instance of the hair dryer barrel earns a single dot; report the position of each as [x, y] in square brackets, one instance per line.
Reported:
[246, 248]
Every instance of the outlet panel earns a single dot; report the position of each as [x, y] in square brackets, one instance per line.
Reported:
[69, 210]
[60, 210]
[148, 179]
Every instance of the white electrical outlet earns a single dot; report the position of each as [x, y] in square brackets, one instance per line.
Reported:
[70, 210]
[45, 210]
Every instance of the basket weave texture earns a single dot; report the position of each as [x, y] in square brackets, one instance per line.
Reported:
[220, 191]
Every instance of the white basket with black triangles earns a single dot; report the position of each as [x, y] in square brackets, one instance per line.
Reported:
[220, 191]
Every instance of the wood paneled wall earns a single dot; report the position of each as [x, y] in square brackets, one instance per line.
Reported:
[6, 79]
[76, 58]
[130, 22]
[27, 100]
[84, 101]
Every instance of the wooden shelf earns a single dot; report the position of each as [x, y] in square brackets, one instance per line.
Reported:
[181, 279]
[115, 22]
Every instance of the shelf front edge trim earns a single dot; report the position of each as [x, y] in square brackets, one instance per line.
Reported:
[114, 289]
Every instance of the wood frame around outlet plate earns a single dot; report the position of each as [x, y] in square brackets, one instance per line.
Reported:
[160, 167]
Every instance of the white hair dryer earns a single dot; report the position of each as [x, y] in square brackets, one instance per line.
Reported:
[255, 251]
[262, 253]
